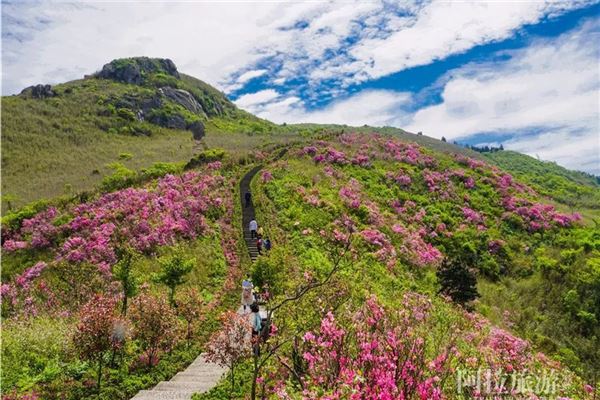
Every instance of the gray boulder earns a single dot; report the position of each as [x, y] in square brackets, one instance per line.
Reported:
[173, 121]
[39, 91]
[197, 129]
[182, 97]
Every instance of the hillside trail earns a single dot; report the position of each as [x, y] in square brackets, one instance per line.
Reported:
[201, 376]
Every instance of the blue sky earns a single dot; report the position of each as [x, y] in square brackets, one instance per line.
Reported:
[525, 74]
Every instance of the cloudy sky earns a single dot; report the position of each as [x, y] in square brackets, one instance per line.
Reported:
[525, 74]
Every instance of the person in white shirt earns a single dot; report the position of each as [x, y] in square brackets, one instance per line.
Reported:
[253, 227]
[247, 296]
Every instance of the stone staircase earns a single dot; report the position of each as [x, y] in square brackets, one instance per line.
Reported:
[199, 377]
[248, 212]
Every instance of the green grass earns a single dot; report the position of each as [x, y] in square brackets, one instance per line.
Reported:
[64, 145]
[570, 188]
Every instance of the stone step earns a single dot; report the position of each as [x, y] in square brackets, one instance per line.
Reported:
[199, 378]
[203, 369]
[164, 395]
[194, 386]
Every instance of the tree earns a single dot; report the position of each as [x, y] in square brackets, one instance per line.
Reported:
[266, 346]
[174, 268]
[231, 344]
[123, 273]
[458, 280]
[189, 307]
[95, 334]
[154, 324]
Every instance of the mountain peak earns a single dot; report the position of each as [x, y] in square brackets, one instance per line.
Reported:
[135, 70]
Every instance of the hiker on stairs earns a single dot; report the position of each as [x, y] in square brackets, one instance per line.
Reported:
[247, 296]
[256, 322]
[259, 245]
[253, 226]
[248, 198]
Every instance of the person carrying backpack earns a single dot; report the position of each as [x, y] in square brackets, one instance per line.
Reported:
[267, 244]
[252, 227]
[248, 198]
[256, 323]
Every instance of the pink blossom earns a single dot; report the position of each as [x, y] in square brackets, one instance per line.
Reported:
[266, 176]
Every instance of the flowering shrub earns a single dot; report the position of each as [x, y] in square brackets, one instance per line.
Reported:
[403, 179]
[472, 216]
[361, 160]
[535, 216]
[350, 194]
[144, 218]
[24, 295]
[266, 176]
[438, 182]
[155, 325]
[231, 343]
[99, 330]
[385, 358]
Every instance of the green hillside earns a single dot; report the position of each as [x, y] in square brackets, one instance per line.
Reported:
[63, 144]
[571, 188]
[398, 263]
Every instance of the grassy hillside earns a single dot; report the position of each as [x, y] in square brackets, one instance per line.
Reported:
[64, 144]
[375, 218]
[400, 198]
[571, 188]
[398, 260]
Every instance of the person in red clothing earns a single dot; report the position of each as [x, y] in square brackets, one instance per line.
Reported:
[259, 243]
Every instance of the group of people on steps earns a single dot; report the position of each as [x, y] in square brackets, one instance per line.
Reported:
[251, 307]
[257, 232]
[250, 294]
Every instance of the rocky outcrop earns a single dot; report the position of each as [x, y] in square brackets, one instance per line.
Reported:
[134, 70]
[39, 91]
[158, 109]
[197, 129]
[183, 98]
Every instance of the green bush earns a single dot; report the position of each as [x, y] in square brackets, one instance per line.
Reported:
[126, 114]
[119, 179]
[268, 271]
[14, 219]
[125, 156]
[161, 169]
[34, 351]
[161, 79]
[206, 157]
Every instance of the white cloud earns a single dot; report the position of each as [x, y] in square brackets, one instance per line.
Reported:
[442, 28]
[246, 76]
[565, 147]
[54, 41]
[378, 108]
[252, 100]
[550, 88]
